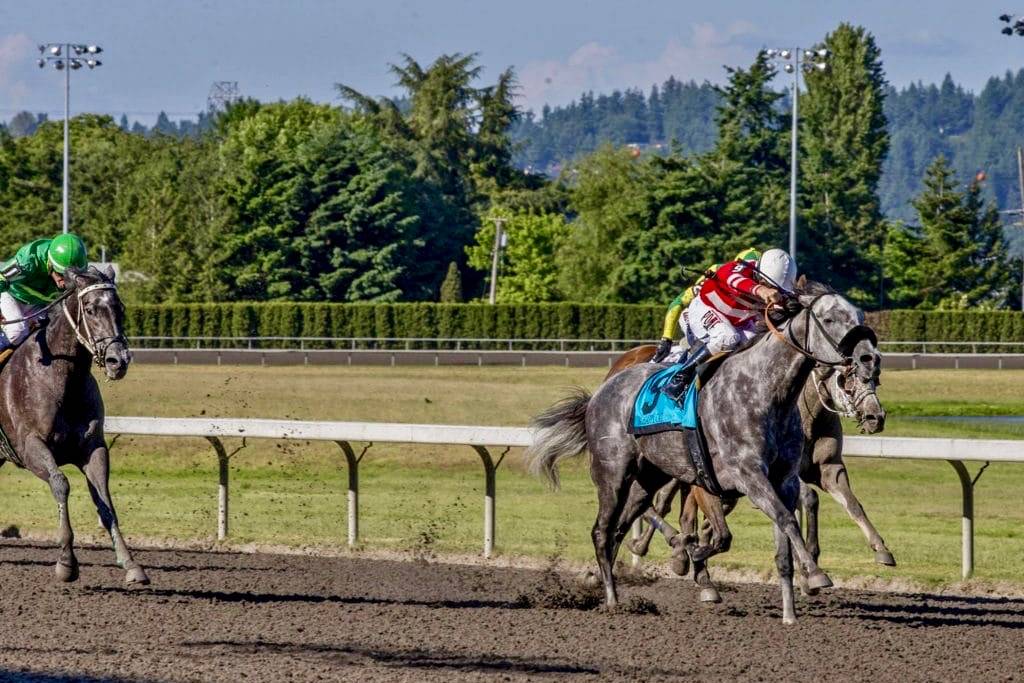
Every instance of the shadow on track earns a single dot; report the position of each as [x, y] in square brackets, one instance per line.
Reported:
[419, 659]
[969, 612]
[270, 598]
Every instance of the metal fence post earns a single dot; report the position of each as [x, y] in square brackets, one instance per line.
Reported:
[490, 468]
[967, 520]
[222, 488]
[223, 457]
[353, 488]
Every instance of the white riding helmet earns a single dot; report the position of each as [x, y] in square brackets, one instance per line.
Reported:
[777, 265]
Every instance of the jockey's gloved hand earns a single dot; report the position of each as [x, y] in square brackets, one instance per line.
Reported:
[792, 305]
[664, 348]
[770, 295]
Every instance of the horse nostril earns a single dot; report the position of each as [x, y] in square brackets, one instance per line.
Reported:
[112, 361]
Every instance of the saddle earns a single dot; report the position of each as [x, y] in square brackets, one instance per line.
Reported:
[654, 412]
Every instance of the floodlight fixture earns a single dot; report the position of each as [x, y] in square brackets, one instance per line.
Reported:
[67, 57]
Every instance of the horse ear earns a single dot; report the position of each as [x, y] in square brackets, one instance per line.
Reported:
[801, 282]
[108, 270]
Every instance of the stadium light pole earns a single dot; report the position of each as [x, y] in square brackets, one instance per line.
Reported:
[59, 55]
[793, 62]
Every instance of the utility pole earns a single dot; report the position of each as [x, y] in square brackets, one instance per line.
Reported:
[499, 242]
[59, 55]
[1020, 223]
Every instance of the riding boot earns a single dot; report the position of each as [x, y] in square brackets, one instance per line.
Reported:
[676, 387]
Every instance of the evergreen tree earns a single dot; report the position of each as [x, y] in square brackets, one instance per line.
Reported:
[956, 258]
[451, 287]
[123, 124]
[844, 140]
[24, 123]
[361, 233]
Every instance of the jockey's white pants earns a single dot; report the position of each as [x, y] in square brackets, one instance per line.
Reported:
[12, 309]
[703, 323]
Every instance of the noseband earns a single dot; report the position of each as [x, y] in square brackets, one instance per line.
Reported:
[855, 399]
[96, 347]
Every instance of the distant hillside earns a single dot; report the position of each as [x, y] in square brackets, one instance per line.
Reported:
[977, 133]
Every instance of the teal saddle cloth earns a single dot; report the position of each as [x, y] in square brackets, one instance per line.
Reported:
[655, 412]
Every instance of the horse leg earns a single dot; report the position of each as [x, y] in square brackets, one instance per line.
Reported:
[40, 461]
[784, 565]
[809, 503]
[835, 480]
[765, 497]
[97, 472]
[714, 537]
[611, 498]
[632, 498]
[655, 520]
[680, 562]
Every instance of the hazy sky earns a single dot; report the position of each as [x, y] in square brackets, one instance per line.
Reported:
[165, 55]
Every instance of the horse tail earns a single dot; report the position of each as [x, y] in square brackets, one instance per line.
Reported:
[559, 432]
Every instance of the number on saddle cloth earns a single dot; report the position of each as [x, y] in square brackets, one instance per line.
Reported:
[654, 412]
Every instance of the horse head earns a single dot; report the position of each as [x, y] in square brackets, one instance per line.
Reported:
[849, 364]
[96, 314]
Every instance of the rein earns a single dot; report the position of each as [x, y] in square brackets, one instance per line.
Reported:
[785, 338]
[96, 347]
[41, 311]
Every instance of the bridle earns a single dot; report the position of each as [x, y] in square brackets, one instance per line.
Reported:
[843, 347]
[96, 347]
[855, 399]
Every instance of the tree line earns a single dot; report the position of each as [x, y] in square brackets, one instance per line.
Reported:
[396, 199]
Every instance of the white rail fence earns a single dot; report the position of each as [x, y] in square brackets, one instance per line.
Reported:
[484, 440]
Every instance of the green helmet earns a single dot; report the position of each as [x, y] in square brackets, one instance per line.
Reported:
[67, 251]
[748, 254]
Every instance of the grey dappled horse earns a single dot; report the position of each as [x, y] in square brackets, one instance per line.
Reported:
[829, 392]
[750, 418]
[51, 408]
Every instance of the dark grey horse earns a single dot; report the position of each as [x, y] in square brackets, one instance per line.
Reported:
[829, 392]
[751, 421]
[52, 411]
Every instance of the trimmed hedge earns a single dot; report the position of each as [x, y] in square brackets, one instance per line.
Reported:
[508, 321]
[423, 320]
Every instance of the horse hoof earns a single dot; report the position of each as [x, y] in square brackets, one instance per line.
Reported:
[818, 580]
[789, 621]
[808, 591]
[709, 595]
[637, 547]
[67, 572]
[136, 576]
[679, 564]
[885, 557]
[590, 580]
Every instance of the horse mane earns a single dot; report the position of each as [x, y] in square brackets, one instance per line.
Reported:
[90, 272]
[805, 287]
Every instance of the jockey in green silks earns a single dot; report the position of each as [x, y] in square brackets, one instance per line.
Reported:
[33, 279]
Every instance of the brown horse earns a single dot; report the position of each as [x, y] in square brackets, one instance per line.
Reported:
[822, 465]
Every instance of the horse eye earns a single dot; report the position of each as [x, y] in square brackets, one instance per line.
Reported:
[867, 358]
[829, 320]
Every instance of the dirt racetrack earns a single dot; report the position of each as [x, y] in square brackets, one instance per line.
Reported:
[229, 616]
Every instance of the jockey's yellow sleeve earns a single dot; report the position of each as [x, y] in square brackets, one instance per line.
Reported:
[675, 309]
